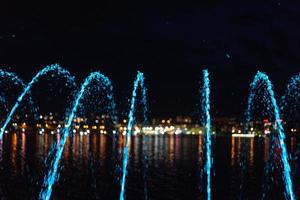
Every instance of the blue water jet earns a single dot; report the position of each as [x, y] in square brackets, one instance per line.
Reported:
[290, 101]
[26, 90]
[292, 92]
[15, 80]
[206, 122]
[290, 107]
[144, 142]
[52, 175]
[139, 82]
[289, 192]
[12, 77]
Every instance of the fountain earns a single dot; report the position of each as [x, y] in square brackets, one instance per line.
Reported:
[292, 95]
[15, 80]
[35, 79]
[281, 135]
[139, 82]
[290, 106]
[205, 107]
[52, 175]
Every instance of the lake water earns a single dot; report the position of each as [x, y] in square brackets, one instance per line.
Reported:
[171, 170]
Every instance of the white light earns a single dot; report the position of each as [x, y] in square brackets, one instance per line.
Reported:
[243, 135]
[178, 131]
[293, 130]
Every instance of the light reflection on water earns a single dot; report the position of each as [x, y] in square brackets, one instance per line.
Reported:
[89, 166]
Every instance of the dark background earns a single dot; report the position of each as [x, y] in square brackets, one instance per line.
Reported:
[170, 42]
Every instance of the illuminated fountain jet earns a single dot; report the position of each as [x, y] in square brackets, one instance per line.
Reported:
[52, 68]
[139, 82]
[206, 122]
[52, 174]
[274, 109]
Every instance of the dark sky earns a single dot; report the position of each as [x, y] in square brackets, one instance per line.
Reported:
[170, 41]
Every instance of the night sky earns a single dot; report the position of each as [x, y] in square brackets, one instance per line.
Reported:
[170, 42]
